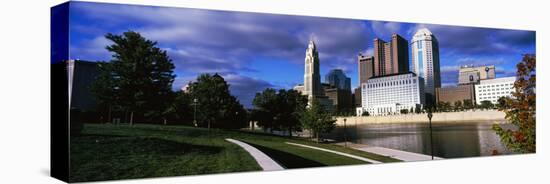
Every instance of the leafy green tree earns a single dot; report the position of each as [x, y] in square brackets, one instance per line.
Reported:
[317, 120]
[365, 113]
[266, 108]
[104, 90]
[216, 107]
[486, 104]
[138, 78]
[521, 109]
[468, 104]
[180, 111]
[417, 110]
[280, 109]
[444, 106]
[404, 111]
[290, 102]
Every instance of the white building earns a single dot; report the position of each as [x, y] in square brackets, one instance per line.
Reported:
[312, 87]
[425, 59]
[493, 89]
[385, 95]
[312, 78]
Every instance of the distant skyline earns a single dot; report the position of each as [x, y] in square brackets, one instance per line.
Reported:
[253, 51]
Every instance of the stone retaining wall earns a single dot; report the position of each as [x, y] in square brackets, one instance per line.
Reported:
[443, 117]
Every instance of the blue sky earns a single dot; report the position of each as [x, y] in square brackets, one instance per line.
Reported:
[254, 51]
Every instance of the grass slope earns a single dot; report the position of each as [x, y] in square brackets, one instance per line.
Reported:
[107, 152]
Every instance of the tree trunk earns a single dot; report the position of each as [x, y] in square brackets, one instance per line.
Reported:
[132, 118]
[164, 121]
[317, 136]
[289, 131]
[110, 119]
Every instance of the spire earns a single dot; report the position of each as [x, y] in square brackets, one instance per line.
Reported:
[311, 45]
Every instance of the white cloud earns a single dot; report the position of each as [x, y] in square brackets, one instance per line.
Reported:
[383, 29]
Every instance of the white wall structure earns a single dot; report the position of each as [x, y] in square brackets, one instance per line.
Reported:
[493, 89]
[385, 95]
[425, 59]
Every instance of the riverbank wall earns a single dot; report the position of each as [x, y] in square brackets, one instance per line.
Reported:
[493, 116]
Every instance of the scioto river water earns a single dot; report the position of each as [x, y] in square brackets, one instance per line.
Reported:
[450, 140]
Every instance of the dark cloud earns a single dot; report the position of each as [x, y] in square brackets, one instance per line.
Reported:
[206, 41]
[245, 88]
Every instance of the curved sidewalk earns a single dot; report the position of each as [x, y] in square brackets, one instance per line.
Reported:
[337, 152]
[397, 154]
[263, 160]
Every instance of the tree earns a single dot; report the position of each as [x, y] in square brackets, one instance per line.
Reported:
[486, 104]
[266, 103]
[404, 111]
[180, 110]
[458, 105]
[216, 107]
[443, 106]
[317, 120]
[521, 109]
[501, 102]
[138, 78]
[281, 109]
[365, 113]
[417, 110]
[291, 102]
[468, 104]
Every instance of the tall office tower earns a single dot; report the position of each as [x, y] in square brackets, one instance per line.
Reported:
[425, 60]
[379, 57]
[312, 79]
[338, 79]
[399, 54]
[366, 68]
[469, 74]
[391, 57]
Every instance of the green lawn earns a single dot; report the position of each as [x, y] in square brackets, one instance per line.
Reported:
[107, 152]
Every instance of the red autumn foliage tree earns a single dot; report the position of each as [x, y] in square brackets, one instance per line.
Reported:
[521, 109]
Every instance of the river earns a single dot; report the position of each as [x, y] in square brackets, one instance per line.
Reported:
[450, 140]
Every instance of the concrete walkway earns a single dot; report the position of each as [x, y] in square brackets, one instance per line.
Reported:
[393, 153]
[337, 152]
[263, 160]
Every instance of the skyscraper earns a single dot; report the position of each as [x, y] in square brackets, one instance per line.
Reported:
[312, 80]
[338, 79]
[425, 60]
[366, 67]
[391, 57]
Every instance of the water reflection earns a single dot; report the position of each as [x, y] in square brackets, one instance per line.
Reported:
[451, 140]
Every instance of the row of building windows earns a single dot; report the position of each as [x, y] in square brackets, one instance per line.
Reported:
[391, 83]
[494, 93]
[497, 89]
[495, 85]
[493, 97]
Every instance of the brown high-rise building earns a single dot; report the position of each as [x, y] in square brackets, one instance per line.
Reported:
[391, 57]
[366, 67]
[379, 57]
